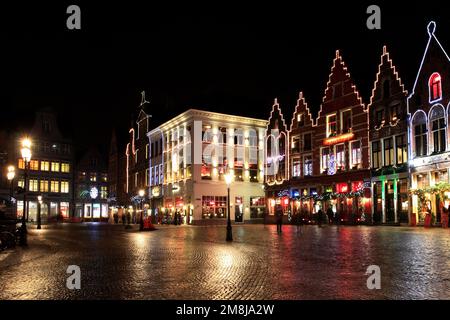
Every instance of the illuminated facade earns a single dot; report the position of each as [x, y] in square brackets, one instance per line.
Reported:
[91, 185]
[388, 145]
[428, 132]
[323, 163]
[50, 171]
[188, 157]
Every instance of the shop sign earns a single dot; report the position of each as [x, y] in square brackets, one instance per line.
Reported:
[342, 187]
[156, 191]
[283, 193]
[338, 139]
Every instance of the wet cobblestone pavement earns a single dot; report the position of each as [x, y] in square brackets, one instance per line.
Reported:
[196, 263]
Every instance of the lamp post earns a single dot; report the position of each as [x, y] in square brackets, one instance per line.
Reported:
[26, 156]
[39, 198]
[141, 200]
[228, 178]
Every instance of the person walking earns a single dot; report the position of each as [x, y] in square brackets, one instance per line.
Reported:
[279, 217]
[319, 218]
[330, 215]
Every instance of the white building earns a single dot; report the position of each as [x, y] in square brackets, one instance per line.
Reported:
[188, 157]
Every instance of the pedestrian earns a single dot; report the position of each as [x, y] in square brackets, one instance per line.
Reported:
[279, 217]
[123, 218]
[299, 221]
[319, 218]
[330, 215]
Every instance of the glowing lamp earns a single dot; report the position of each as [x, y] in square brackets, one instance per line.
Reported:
[338, 139]
[141, 193]
[228, 178]
[286, 201]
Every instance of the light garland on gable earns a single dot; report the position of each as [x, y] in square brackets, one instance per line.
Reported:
[301, 101]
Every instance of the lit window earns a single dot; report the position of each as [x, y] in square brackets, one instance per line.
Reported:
[325, 159]
[93, 177]
[136, 177]
[308, 170]
[65, 167]
[103, 192]
[435, 87]
[45, 165]
[376, 155]
[64, 187]
[301, 119]
[340, 157]
[437, 118]
[296, 168]
[34, 165]
[146, 151]
[388, 152]
[136, 156]
[21, 164]
[20, 183]
[104, 177]
[43, 185]
[420, 134]
[54, 186]
[147, 172]
[356, 153]
[81, 176]
[331, 125]
[33, 185]
[55, 166]
[402, 149]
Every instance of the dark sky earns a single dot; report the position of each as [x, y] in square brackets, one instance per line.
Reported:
[221, 56]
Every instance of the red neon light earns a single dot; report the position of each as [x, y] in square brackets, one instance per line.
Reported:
[342, 188]
[338, 139]
[357, 186]
[286, 201]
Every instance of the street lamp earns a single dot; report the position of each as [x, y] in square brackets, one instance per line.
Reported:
[26, 156]
[141, 200]
[10, 175]
[228, 179]
[39, 198]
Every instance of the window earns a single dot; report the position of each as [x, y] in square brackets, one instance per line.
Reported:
[420, 134]
[257, 207]
[395, 112]
[33, 185]
[388, 152]
[161, 174]
[21, 183]
[253, 139]
[147, 175]
[54, 186]
[156, 175]
[55, 148]
[46, 147]
[136, 156]
[295, 144]
[337, 90]
[136, 178]
[223, 135]
[43, 186]
[340, 157]
[103, 192]
[296, 168]
[253, 175]
[356, 153]
[402, 149]
[65, 167]
[46, 126]
[65, 149]
[55, 167]
[376, 155]
[21, 164]
[34, 165]
[346, 121]
[301, 119]
[64, 187]
[435, 87]
[308, 168]
[437, 118]
[104, 177]
[93, 177]
[307, 145]
[331, 125]
[239, 137]
[379, 117]
[146, 150]
[45, 165]
[325, 158]
[214, 207]
[81, 176]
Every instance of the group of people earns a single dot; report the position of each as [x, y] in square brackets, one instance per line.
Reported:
[300, 218]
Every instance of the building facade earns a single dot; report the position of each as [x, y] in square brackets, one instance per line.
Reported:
[388, 145]
[189, 156]
[91, 185]
[428, 114]
[50, 173]
[324, 163]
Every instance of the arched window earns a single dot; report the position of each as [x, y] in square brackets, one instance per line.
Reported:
[435, 87]
[437, 126]
[419, 124]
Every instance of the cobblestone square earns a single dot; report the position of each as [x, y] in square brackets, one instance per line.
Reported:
[188, 262]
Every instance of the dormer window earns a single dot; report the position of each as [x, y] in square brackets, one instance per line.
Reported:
[435, 87]
[331, 125]
[301, 119]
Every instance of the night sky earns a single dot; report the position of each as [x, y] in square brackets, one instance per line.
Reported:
[218, 56]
